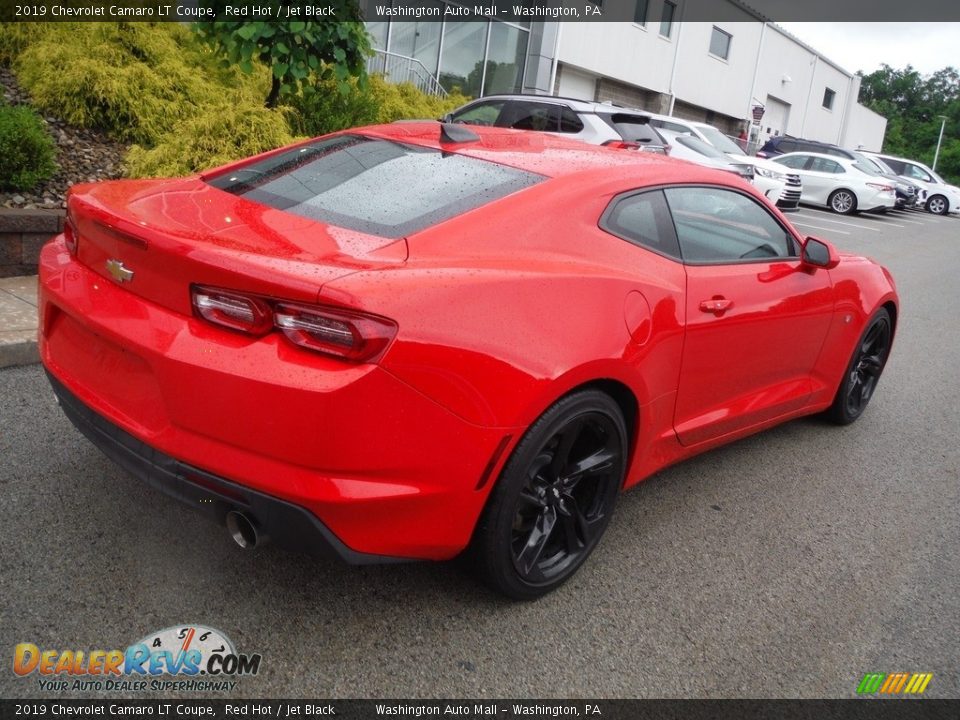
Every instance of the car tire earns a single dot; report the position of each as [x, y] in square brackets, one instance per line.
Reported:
[938, 205]
[842, 202]
[863, 371]
[555, 497]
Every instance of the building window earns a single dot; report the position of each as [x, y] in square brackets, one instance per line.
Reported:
[666, 18]
[720, 43]
[828, 96]
[640, 12]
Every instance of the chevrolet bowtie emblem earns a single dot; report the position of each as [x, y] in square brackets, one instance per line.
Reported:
[118, 272]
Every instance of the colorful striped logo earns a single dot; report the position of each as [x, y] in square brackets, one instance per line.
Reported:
[894, 683]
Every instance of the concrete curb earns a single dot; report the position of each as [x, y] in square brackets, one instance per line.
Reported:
[18, 321]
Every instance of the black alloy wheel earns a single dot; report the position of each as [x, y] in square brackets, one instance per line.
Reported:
[555, 497]
[863, 372]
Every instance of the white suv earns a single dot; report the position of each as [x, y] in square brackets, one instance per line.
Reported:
[591, 122]
[940, 199]
[783, 188]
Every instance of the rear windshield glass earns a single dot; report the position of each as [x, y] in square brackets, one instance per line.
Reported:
[720, 141]
[633, 128]
[699, 146]
[374, 186]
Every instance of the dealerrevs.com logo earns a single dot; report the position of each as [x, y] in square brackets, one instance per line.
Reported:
[894, 683]
[183, 657]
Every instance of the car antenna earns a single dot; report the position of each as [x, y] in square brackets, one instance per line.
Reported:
[452, 133]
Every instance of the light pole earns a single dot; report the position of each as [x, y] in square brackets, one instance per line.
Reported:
[936, 155]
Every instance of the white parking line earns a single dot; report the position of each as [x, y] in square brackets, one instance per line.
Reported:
[817, 227]
[911, 222]
[840, 222]
[921, 219]
[886, 222]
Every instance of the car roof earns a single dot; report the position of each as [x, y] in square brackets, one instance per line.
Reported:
[894, 157]
[547, 154]
[588, 106]
[680, 121]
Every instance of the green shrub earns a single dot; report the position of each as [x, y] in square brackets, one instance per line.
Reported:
[15, 36]
[218, 135]
[325, 109]
[134, 80]
[26, 148]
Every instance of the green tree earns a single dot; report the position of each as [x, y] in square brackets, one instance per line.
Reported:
[297, 52]
[914, 106]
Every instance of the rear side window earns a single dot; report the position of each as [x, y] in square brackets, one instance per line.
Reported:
[371, 185]
[546, 117]
[825, 165]
[485, 113]
[896, 165]
[794, 161]
[643, 219]
[787, 146]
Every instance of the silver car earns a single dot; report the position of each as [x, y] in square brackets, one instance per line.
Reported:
[592, 122]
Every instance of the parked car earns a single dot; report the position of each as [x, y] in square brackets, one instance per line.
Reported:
[908, 192]
[591, 122]
[780, 186]
[783, 144]
[940, 197]
[845, 186]
[403, 340]
[685, 146]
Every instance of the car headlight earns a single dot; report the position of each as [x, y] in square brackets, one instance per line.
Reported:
[772, 174]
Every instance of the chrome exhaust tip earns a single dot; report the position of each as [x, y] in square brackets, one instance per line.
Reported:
[242, 530]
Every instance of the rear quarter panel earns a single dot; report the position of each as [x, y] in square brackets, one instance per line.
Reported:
[503, 310]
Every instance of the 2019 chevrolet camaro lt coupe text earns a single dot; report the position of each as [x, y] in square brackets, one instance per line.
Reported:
[408, 340]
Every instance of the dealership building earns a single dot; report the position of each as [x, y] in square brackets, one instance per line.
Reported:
[722, 72]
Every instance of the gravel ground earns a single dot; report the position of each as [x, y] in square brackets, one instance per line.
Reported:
[82, 156]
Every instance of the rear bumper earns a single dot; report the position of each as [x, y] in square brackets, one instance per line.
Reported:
[286, 524]
[386, 470]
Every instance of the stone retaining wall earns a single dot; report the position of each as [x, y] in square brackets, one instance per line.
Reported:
[22, 234]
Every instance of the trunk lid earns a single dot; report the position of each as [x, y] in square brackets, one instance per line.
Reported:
[157, 237]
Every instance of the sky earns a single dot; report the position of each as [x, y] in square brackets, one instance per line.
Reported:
[927, 46]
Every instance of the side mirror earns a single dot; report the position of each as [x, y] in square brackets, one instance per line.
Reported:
[819, 253]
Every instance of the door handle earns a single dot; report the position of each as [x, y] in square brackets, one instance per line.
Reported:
[717, 305]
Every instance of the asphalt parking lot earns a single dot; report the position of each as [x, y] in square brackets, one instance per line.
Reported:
[786, 565]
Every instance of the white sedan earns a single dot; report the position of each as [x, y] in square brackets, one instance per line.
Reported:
[845, 186]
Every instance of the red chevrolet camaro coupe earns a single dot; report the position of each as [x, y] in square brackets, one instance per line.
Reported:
[403, 341]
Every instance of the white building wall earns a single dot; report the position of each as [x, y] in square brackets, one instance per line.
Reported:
[865, 130]
[818, 122]
[576, 84]
[765, 65]
[711, 82]
[626, 52]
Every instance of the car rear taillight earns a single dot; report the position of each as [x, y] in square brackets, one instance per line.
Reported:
[70, 236]
[342, 333]
[622, 145]
[232, 310]
[883, 188]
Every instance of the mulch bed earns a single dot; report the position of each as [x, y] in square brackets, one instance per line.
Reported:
[82, 156]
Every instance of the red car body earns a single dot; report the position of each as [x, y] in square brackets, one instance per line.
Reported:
[498, 312]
